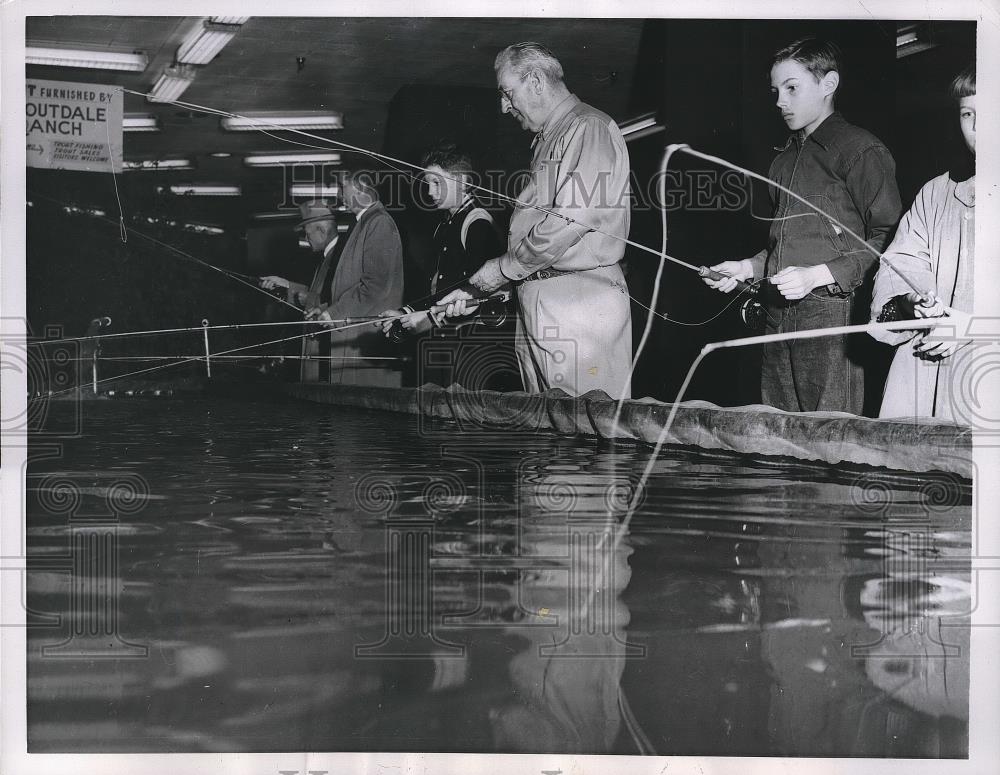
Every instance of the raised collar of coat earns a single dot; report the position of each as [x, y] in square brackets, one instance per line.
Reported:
[560, 110]
[371, 208]
[965, 192]
[823, 134]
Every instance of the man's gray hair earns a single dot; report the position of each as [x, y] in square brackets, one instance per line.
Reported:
[522, 58]
[363, 181]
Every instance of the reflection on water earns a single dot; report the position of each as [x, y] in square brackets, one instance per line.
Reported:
[261, 577]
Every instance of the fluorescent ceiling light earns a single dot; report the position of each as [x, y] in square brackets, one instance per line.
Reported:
[638, 124]
[204, 189]
[286, 216]
[314, 190]
[140, 122]
[202, 45]
[73, 209]
[912, 39]
[172, 84]
[278, 120]
[640, 133]
[202, 228]
[286, 159]
[96, 60]
[231, 19]
[159, 164]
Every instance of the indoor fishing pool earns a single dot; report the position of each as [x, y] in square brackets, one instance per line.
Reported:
[251, 575]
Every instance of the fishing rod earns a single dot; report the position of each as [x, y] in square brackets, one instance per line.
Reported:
[926, 296]
[751, 314]
[495, 194]
[192, 359]
[251, 281]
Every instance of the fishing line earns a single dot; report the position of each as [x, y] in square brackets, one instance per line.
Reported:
[634, 501]
[213, 356]
[114, 179]
[925, 295]
[391, 161]
[385, 158]
[237, 276]
[193, 359]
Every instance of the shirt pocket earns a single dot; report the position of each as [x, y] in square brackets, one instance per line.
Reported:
[811, 237]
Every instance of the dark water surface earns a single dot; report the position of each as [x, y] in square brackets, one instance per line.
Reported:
[269, 576]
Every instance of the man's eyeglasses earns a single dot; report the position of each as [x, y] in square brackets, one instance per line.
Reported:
[508, 94]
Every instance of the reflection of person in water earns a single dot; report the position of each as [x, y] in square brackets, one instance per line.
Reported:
[566, 680]
[921, 660]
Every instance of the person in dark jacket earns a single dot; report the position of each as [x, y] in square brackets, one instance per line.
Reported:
[814, 268]
[464, 240]
[367, 280]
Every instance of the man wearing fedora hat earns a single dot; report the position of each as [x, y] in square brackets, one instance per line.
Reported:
[319, 223]
[368, 279]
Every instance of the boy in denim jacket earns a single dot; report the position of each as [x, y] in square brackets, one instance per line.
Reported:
[813, 267]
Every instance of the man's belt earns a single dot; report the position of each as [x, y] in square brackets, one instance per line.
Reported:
[545, 274]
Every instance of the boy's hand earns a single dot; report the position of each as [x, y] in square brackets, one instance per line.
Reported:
[387, 318]
[736, 270]
[794, 282]
[934, 308]
[936, 344]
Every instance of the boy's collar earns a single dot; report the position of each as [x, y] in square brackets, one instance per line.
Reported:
[821, 134]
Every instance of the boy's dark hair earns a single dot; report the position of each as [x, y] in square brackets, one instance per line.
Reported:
[817, 56]
[964, 84]
[451, 160]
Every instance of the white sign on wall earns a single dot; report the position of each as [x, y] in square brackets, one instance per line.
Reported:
[73, 126]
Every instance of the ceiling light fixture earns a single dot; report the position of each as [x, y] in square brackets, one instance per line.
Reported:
[912, 39]
[172, 84]
[159, 164]
[640, 124]
[278, 120]
[287, 159]
[140, 122]
[94, 60]
[313, 190]
[204, 189]
[202, 228]
[285, 216]
[205, 42]
[231, 19]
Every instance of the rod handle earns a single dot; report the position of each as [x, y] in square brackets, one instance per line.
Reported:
[711, 274]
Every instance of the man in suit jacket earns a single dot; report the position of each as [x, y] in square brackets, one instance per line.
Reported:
[367, 280]
[319, 225]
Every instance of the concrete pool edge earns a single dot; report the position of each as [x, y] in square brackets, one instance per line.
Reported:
[905, 445]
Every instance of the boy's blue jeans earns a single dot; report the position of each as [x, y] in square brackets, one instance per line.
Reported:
[812, 375]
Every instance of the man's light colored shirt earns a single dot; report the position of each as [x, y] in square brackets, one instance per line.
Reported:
[580, 169]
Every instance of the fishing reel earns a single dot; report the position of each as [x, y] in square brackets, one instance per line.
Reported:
[491, 312]
[751, 312]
